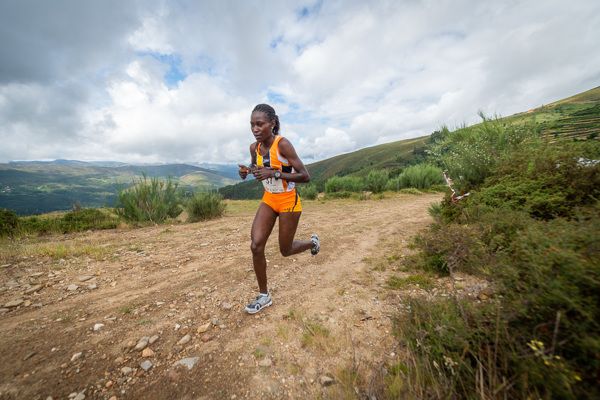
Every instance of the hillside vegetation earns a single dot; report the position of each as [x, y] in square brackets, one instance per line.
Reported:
[530, 226]
[40, 187]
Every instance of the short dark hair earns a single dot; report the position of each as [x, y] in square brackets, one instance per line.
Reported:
[270, 113]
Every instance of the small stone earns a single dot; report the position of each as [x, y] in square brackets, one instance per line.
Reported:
[142, 343]
[119, 360]
[126, 370]
[215, 322]
[184, 340]
[482, 296]
[188, 362]
[326, 380]
[108, 384]
[146, 365]
[72, 395]
[76, 356]
[204, 328]
[177, 326]
[226, 306]
[113, 398]
[14, 303]
[265, 362]
[33, 289]
[206, 337]
[153, 339]
[72, 287]
[92, 286]
[80, 396]
[84, 278]
[147, 352]
[97, 327]
[27, 303]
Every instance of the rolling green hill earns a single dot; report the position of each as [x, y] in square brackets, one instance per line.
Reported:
[39, 187]
[576, 117]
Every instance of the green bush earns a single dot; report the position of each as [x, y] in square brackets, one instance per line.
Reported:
[338, 195]
[544, 180]
[308, 192]
[86, 219]
[149, 200]
[9, 222]
[470, 154]
[420, 176]
[377, 180]
[40, 224]
[204, 206]
[530, 228]
[344, 184]
[546, 277]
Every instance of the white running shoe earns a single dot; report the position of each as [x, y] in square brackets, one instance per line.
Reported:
[261, 301]
[314, 238]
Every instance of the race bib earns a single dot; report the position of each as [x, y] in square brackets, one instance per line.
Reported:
[273, 185]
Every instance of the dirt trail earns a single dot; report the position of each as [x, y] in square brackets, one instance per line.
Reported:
[330, 317]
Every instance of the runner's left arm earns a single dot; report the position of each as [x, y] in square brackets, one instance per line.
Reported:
[301, 173]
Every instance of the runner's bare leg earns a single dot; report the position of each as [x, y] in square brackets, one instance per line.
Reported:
[261, 230]
[288, 223]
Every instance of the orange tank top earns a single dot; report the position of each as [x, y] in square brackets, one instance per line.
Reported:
[273, 159]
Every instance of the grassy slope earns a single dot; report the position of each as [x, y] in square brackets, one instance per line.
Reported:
[576, 116]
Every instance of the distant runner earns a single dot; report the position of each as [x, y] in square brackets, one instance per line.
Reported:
[276, 164]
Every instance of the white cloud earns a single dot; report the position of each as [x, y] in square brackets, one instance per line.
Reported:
[176, 81]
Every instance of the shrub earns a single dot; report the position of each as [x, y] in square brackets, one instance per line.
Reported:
[308, 192]
[420, 176]
[344, 184]
[149, 200]
[204, 206]
[9, 222]
[470, 154]
[338, 195]
[376, 181]
[531, 228]
[544, 180]
[543, 329]
[86, 219]
[40, 224]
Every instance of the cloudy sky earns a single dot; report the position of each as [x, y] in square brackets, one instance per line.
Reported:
[166, 81]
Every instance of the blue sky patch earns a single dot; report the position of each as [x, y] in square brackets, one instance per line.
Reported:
[275, 97]
[175, 73]
[309, 10]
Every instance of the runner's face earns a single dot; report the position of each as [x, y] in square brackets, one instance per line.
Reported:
[262, 128]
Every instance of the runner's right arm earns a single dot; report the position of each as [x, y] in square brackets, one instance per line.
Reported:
[244, 170]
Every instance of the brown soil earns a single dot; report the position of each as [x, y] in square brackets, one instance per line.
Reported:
[332, 314]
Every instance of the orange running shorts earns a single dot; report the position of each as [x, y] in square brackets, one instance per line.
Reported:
[283, 202]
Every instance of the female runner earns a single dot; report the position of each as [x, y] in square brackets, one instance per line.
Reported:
[276, 164]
